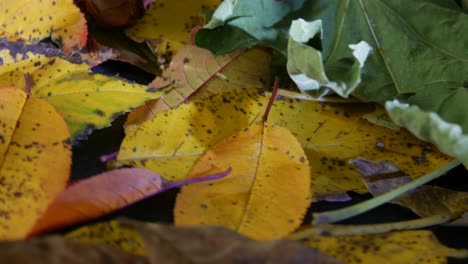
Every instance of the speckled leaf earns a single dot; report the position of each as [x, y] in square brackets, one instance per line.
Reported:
[256, 199]
[330, 134]
[35, 20]
[396, 247]
[35, 160]
[167, 24]
[86, 101]
[195, 72]
[110, 234]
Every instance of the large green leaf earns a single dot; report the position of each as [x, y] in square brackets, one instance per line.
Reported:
[420, 49]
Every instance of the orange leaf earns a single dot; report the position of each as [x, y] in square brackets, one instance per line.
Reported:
[35, 160]
[267, 193]
[35, 20]
[104, 193]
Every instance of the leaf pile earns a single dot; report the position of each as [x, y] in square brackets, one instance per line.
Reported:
[372, 99]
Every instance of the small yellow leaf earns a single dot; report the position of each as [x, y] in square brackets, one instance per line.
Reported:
[85, 100]
[35, 20]
[111, 234]
[169, 23]
[35, 160]
[329, 133]
[265, 196]
[396, 247]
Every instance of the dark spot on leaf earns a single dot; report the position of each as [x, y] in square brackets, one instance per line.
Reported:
[99, 112]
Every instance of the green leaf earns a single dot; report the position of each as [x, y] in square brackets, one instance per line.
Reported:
[419, 61]
[429, 126]
[305, 64]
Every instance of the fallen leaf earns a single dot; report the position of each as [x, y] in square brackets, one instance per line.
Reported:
[257, 199]
[86, 101]
[167, 24]
[35, 20]
[35, 160]
[214, 244]
[396, 247]
[329, 133]
[55, 249]
[195, 72]
[102, 194]
[381, 177]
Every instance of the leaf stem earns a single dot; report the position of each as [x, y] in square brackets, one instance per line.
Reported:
[348, 212]
[272, 99]
[348, 230]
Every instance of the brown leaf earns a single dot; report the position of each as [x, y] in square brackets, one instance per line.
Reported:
[54, 249]
[381, 177]
[213, 244]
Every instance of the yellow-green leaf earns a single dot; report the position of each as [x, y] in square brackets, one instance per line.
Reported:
[396, 247]
[35, 160]
[265, 196]
[85, 100]
[35, 20]
[330, 134]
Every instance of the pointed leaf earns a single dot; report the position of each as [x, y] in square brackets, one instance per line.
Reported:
[102, 194]
[256, 200]
[35, 160]
[86, 101]
[36, 20]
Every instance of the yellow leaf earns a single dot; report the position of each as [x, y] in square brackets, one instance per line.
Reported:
[111, 234]
[330, 134]
[35, 160]
[265, 196]
[396, 247]
[169, 23]
[195, 71]
[85, 100]
[35, 20]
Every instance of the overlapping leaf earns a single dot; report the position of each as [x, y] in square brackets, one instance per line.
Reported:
[85, 100]
[330, 134]
[36, 20]
[102, 194]
[425, 201]
[195, 72]
[35, 160]
[267, 194]
[415, 59]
